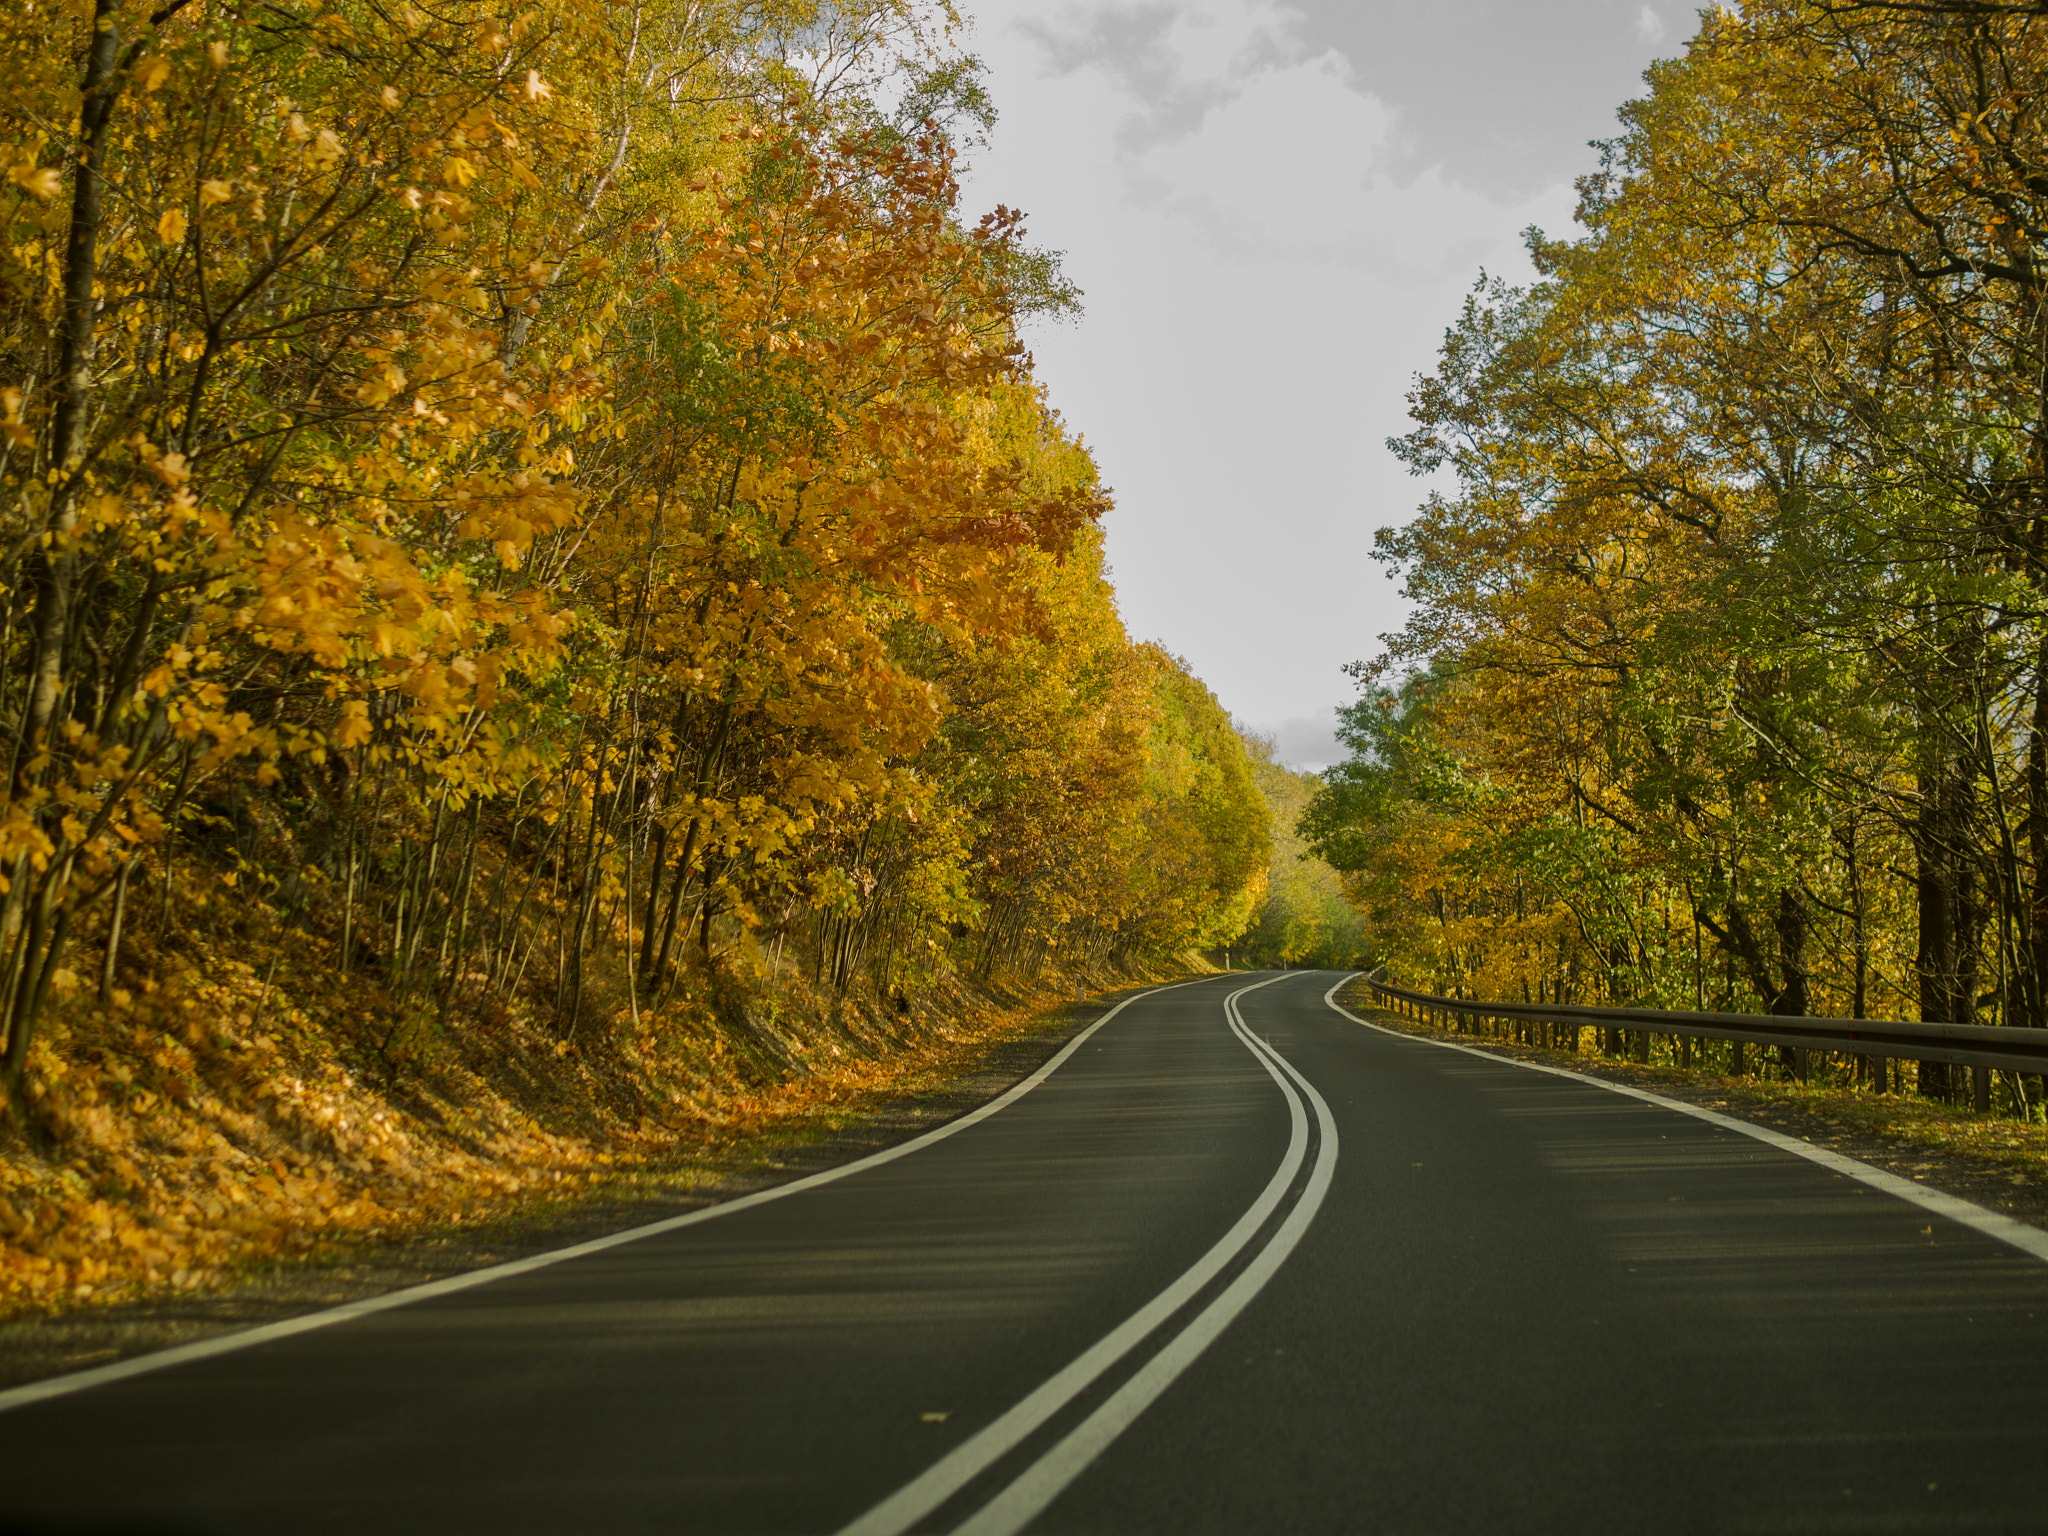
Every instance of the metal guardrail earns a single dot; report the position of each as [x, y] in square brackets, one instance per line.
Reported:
[1982, 1048]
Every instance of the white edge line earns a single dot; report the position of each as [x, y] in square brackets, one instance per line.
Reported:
[2031, 1241]
[969, 1459]
[1027, 1496]
[249, 1338]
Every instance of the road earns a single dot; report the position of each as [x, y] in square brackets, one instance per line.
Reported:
[1231, 1266]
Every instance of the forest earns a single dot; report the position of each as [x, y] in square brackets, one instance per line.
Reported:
[1307, 917]
[1726, 681]
[531, 543]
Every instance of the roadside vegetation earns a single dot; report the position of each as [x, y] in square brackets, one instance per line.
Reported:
[1726, 684]
[1307, 919]
[541, 611]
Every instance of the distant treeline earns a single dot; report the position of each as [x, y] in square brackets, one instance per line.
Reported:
[1307, 919]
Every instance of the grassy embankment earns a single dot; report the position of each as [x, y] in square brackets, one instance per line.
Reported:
[243, 1104]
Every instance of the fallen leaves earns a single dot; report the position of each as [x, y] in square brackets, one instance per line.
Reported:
[184, 1143]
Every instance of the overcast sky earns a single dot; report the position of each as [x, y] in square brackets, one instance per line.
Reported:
[1275, 211]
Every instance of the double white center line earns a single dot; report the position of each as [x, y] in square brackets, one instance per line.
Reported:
[1041, 1482]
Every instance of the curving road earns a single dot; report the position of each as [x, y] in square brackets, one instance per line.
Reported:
[1232, 1262]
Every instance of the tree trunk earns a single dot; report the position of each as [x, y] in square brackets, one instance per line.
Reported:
[1948, 907]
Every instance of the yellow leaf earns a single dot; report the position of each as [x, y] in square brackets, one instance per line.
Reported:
[216, 191]
[45, 183]
[354, 729]
[152, 73]
[171, 227]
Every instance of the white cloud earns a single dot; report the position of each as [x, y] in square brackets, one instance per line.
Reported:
[1649, 26]
[1296, 166]
[1266, 268]
[1266, 150]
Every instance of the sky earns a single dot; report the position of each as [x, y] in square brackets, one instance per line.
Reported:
[1274, 212]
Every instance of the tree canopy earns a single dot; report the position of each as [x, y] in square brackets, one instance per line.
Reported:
[539, 501]
[1727, 682]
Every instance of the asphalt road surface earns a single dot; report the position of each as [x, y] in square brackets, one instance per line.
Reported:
[1236, 1263]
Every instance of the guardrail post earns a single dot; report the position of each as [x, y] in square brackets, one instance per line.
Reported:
[1685, 1052]
[1799, 1063]
[1735, 1067]
[1980, 1089]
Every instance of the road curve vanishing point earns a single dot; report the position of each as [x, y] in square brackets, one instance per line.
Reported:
[1141, 1293]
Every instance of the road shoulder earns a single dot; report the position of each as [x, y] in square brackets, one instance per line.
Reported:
[2001, 1164]
[34, 1348]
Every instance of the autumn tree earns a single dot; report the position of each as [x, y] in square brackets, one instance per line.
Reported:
[1740, 572]
[543, 505]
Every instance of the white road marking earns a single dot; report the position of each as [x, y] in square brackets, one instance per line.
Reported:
[2031, 1241]
[968, 1460]
[249, 1338]
[1038, 1485]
